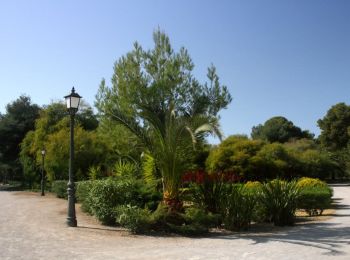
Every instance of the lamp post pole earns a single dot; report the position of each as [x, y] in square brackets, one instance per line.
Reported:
[42, 173]
[71, 219]
[73, 101]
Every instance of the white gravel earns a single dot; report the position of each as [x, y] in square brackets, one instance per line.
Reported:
[33, 227]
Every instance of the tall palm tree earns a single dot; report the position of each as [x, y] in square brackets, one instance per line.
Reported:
[171, 140]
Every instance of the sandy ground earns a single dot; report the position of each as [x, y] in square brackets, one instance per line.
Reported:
[33, 227]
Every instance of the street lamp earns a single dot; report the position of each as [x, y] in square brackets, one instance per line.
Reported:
[72, 100]
[42, 173]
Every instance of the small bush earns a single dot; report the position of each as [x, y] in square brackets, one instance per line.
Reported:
[83, 195]
[95, 173]
[106, 194]
[135, 219]
[254, 189]
[280, 199]
[125, 169]
[253, 185]
[60, 188]
[314, 200]
[315, 195]
[200, 217]
[238, 208]
[307, 182]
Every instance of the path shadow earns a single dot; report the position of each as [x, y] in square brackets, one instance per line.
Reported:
[103, 228]
[325, 236]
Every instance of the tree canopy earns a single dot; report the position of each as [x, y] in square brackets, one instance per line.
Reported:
[335, 127]
[155, 95]
[51, 132]
[14, 124]
[159, 78]
[279, 129]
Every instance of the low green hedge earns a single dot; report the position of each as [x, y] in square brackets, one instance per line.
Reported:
[60, 188]
[314, 200]
[315, 195]
[83, 189]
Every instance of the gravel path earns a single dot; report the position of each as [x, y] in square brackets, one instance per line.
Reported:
[33, 227]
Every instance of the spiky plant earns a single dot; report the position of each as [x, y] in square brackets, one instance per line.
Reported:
[280, 200]
[170, 142]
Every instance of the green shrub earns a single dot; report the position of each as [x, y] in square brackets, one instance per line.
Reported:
[253, 185]
[135, 219]
[83, 195]
[315, 199]
[307, 182]
[146, 196]
[60, 188]
[125, 168]
[95, 172]
[193, 222]
[280, 200]
[193, 229]
[315, 195]
[199, 216]
[238, 207]
[106, 194]
[259, 214]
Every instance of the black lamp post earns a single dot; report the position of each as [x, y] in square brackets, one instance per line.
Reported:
[42, 173]
[73, 100]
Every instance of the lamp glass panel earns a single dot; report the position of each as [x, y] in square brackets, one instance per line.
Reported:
[75, 102]
[68, 102]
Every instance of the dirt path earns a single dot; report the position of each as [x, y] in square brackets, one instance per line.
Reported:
[33, 227]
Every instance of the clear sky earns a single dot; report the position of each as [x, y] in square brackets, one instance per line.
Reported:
[287, 58]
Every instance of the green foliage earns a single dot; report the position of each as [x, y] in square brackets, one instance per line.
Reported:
[307, 182]
[256, 160]
[317, 164]
[14, 124]
[118, 140]
[191, 223]
[155, 96]
[315, 195]
[234, 154]
[88, 151]
[200, 217]
[125, 169]
[95, 172]
[335, 127]
[315, 199]
[278, 129]
[149, 171]
[280, 199]
[106, 194]
[238, 207]
[51, 132]
[83, 189]
[253, 186]
[60, 188]
[273, 161]
[208, 194]
[136, 219]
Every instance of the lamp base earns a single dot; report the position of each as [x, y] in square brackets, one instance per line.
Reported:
[71, 222]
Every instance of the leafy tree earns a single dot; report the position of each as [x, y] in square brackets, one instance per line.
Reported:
[89, 151]
[335, 136]
[235, 154]
[155, 96]
[279, 129]
[335, 127]
[14, 124]
[257, 160]
[51, 132]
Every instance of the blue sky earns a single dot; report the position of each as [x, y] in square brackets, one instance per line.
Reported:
[287, 58]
